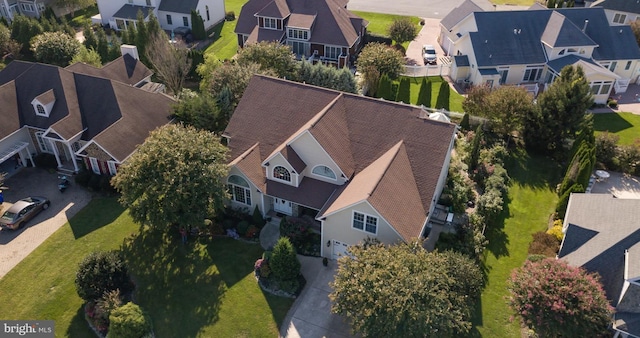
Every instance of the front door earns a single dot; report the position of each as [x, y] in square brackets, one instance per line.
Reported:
[282, 206]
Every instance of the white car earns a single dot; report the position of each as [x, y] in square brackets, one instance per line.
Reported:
[429, 55]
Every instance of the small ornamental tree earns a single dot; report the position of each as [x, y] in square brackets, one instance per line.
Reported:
[284, 262]
[558, 300]
[129, 321]
[102, 272]
[380, 58]
[402, 30]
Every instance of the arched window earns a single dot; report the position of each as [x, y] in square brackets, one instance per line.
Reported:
[325, 171]
[281, 173]
[239, 189]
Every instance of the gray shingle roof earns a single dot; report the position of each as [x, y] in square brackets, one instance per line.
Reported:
[178, 6]
[557, 64]
[620, 5]
[459, 13]
[600, 229]
[515, 37]
[130, 12]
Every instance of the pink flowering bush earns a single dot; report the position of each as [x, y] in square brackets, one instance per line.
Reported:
[558, 300]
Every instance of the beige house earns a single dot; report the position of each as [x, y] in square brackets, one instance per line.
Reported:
[530, 47]
[359, 167]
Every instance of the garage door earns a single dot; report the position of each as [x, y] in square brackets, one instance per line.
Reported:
[339, 249]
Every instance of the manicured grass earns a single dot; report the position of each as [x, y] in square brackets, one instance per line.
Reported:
[82, 16]
[514, 2]
[531, 200]
[225, 44]
[455, 99]
[193, 290]
[379, 23]
[625, 125]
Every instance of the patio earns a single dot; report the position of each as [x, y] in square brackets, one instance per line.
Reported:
[618, 185]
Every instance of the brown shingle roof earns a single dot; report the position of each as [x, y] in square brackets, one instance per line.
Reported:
[293, 159]
[356, 132]
[250, 165]
[124, 69]
[262, 34]
[311, 193]
[46, 97]
[334, 24]
[10, 122]
[303, 21]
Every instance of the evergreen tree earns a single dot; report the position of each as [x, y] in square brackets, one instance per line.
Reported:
[284, 262]
[141, 37]
[464, 124]
[424, 97]
[197, 26]
[551, 3]
[404, 91]
[384, 87]
[102, 45]
[90, 40]
[442, 102]
[474, 154]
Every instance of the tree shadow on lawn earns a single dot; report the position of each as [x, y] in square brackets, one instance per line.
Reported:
[611, 122]
[178, 285]
[533, 171]
[279, 307]
[98, 213]
[498, 239]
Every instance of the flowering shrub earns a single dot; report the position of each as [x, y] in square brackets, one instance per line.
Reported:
[558, 300]
[556, 230]
[252, 232]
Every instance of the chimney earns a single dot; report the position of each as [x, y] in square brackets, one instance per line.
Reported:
[584, 29]
[131, 50]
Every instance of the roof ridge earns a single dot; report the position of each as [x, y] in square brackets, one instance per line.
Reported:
[244, 154]
[393, 150]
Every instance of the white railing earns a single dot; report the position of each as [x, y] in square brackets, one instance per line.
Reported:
[621, 85]
[531, 88]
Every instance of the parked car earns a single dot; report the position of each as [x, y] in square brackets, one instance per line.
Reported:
[22, 211]
[183, 33]
[429, 55]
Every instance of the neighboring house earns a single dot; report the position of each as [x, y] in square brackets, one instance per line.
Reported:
[99, 115]
[119, 14]
[321, 29]
[34, 8]
[602, 234]
[620, 12]
[361, 167]
[531, 47]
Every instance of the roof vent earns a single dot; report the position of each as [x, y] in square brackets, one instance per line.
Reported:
[584, 29]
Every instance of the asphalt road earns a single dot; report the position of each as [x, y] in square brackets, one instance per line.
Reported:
[436, 9]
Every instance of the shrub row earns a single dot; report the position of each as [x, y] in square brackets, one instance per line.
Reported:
[625, 158]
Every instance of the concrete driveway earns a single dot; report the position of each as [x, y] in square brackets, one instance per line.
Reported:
[422, 8]
[310, 316]
[428, 35]
[18, 244]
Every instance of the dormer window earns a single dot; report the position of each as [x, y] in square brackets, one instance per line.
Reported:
[281, 173]
[43, 103]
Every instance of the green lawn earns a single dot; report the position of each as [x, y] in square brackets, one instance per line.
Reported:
[197, 290]
[625, 125]
[379, 23]
[82, 16]
[531, 200]
[455, 99]
[225, 45]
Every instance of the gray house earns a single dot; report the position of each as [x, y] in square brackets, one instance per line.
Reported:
[602, 234]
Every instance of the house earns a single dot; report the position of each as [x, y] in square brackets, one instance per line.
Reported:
[620, 12]
[98, 115]
[361, 167]
[33, 8]
[602, 235]
[530, 47]
[320, 30]
[119, 14]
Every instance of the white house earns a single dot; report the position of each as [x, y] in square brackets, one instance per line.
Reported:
[170, 13]
[531, 47]
[360, 167]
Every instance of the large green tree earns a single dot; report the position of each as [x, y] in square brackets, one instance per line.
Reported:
[55, 48]
[402, 30]
[88, 56]
[558, 300]
[506, 107]
[405, 291]
[382, 58]
[272, 56]
[200, 111]
[561, 108]
[177, 176]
